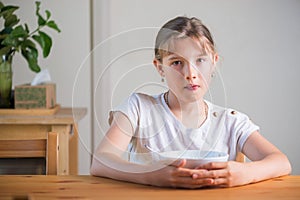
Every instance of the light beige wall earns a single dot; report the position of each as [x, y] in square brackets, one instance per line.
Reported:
[258, 44]
[67, 62]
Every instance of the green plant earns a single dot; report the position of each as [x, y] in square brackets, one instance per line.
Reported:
[17, 38]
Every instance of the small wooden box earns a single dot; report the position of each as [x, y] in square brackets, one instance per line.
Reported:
[35, 97]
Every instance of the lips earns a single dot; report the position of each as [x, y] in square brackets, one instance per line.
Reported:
[192, 87]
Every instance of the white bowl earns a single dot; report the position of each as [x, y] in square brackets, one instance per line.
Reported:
[194, 158]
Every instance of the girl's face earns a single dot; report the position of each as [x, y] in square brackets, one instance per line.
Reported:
[187, 69]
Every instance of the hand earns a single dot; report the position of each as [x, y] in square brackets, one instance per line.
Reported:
[175, 175]
[223, 174]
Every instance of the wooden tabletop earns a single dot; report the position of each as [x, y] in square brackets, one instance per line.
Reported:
[89, 187]
[62, 116]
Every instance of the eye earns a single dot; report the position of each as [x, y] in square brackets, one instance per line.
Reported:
[176, 63]
[201, 60]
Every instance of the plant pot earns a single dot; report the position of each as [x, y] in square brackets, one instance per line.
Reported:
[5, 81]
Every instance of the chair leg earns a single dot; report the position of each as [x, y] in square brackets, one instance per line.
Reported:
[73, 151]
[52, 153]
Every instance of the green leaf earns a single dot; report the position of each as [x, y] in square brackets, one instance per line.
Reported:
[28, 44]
[11, 21]
[48, 13]
[37, 4]
[44, 41]
[10, 41]
[26, 28]
[38, 39]
[7, 11]
[41, 20]
[47, 43]
[53, 25]
[19, 31]
[31, 55]
[34, 52]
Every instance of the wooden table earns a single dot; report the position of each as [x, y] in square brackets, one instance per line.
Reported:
[35, 124]
[88, 187]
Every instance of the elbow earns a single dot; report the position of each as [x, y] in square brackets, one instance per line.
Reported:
[288, 166]
[93, 169]
[96, 168]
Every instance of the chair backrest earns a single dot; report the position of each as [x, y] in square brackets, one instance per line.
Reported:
[240, 157]
[36, 148]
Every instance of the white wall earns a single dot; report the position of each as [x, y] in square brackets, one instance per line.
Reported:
[67, 58]
[258, 43]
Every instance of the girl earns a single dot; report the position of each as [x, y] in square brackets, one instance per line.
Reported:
[181, 119]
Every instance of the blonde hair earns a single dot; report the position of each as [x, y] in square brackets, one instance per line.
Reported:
[183, 27]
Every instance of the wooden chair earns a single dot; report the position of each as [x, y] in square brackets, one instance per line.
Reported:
[240, 157]
[37, 148]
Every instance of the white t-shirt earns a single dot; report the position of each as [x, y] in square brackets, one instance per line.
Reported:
[154, 125]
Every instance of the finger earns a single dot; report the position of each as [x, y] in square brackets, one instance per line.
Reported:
[186, 172]
[183, 172]
[213, 165]
[220, 182]
[187, 182]
[210, 174]
[178, 163]
[200, 173]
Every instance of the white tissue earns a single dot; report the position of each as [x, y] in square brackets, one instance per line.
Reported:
[42, 77]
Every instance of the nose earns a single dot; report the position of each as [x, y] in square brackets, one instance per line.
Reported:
[190, 72]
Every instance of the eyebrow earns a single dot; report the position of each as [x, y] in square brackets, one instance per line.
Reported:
[173, 56]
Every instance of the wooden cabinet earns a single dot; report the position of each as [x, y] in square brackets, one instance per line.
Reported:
[36, 125]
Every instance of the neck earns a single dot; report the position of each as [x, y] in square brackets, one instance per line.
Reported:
[191, 114]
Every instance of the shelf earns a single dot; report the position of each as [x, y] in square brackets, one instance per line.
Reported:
[34, 112]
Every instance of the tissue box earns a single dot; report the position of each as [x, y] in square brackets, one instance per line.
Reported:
[35, 97]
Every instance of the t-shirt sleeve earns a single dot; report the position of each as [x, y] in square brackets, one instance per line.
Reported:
[129, 107]
[243, 127]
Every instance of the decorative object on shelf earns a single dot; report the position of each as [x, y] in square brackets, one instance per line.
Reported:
[17, 38]
[41, 96]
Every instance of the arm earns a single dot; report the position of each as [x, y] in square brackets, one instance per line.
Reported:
[108, 162]
[267, 162]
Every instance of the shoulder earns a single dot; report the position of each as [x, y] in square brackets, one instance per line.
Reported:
[133, 106]
[228, 114]
[141, 98]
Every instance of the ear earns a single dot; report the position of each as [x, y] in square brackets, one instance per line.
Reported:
[215, 58]
[158, 67]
